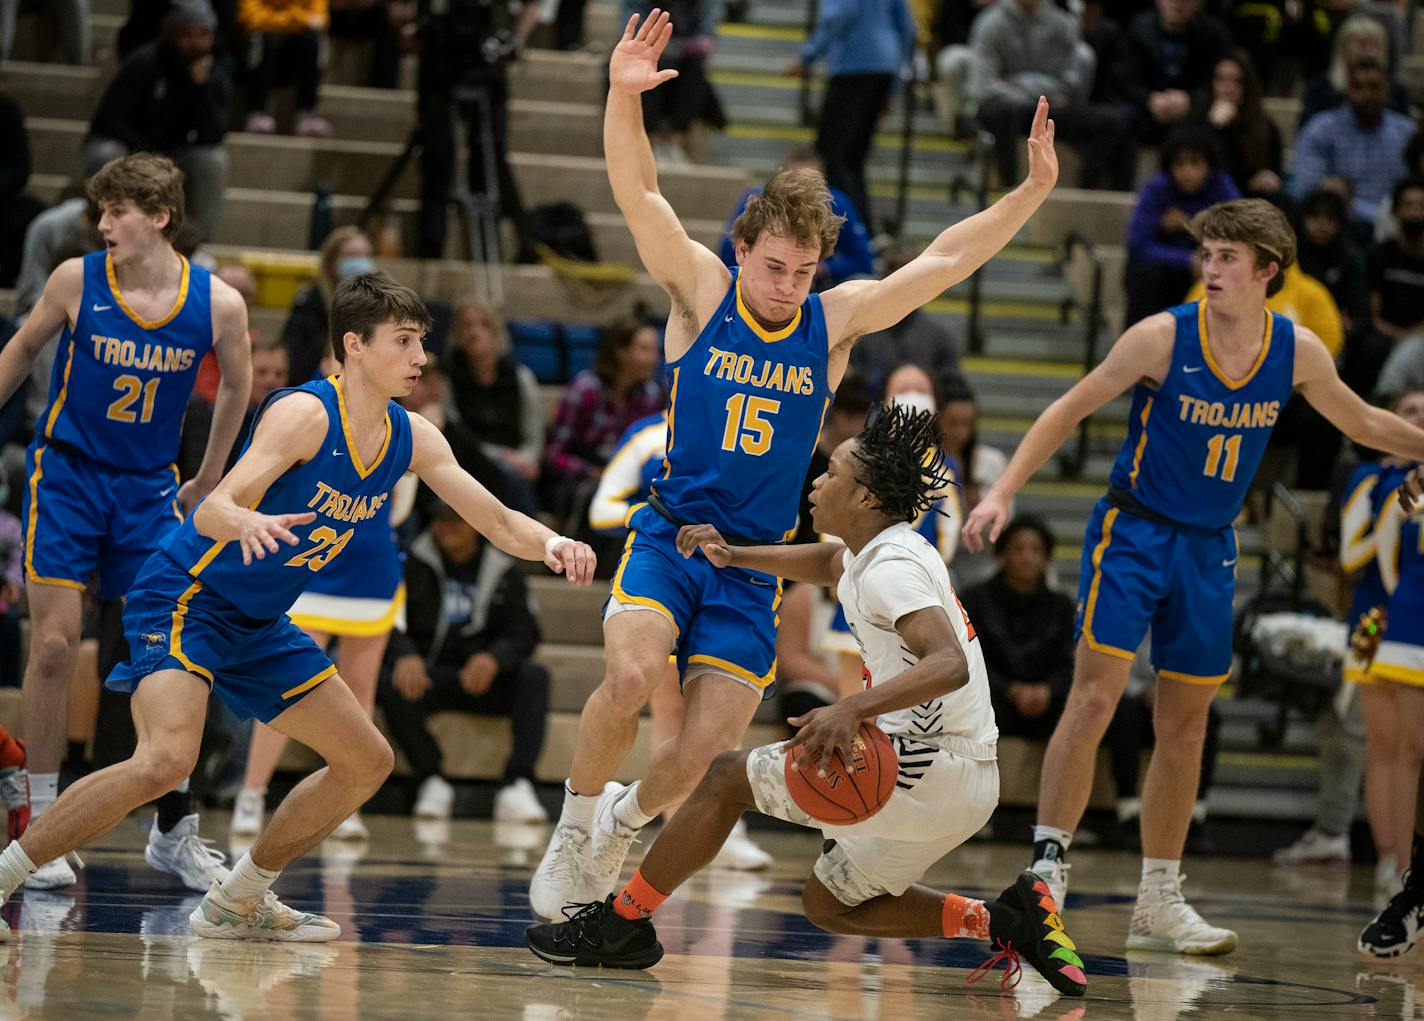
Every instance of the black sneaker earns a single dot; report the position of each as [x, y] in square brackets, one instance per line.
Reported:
[1024, 921]
[1396, 929]
[595, 934]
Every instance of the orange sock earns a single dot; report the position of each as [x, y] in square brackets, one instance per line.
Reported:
[639, 899]
[963, 916]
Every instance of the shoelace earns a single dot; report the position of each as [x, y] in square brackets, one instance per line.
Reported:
[1013, 967]
[196, 848]
[582, 921]
[567, 868]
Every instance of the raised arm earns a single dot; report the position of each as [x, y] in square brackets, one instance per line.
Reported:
[58, 306]
[819, 563]
[234, 353]
[858, 307]
[1320, 384]
[517, 534]
[686, 270]
[1145, 350]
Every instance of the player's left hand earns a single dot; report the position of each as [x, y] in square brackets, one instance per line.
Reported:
[828, 729]
[192, 492]
[1411, 491]
[1042, 160]
[574, 560]
[691, 538]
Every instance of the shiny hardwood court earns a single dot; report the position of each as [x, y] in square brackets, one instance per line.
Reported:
[433, 917]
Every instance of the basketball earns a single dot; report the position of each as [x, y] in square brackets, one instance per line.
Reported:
[849, 792]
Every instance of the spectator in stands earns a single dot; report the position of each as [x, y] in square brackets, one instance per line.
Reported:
[269, 372]
[346, 252]
[378, 24]
[467, 647]
[1326, 251]
[867, 45]
[464, 54]
[174, 97]
[852, 257]
[1160, 249]
[1397, 291]
[1356, 149]
[1249, 141]
[17, 209]
[921, 338]
[65, 230]
[844, 418]
[1359, 37]
[71, 19]
[1165, 64]
[497, 399]
[431, 400]
[1025, 629]
[1385, 227]
[954, 63]
[670, 111]
[145, 23]
[285, 48]
[598, 405]
[1029, 48]
[978, 465]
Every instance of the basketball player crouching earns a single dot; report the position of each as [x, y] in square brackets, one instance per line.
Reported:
[927, 688]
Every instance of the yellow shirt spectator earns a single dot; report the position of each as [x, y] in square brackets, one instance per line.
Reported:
[1304, 301]
[282, 17]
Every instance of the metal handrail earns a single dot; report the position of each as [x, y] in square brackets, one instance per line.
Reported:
[1092, 316]
[1274, 562]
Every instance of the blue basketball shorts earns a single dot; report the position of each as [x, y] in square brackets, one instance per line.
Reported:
[174, 622]
[1401, 654]
[724, 619]
[79, 515]
[1138, 574]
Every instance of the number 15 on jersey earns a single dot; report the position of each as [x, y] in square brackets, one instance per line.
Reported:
[747, 425]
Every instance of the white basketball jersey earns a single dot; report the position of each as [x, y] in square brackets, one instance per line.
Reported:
[897, 573]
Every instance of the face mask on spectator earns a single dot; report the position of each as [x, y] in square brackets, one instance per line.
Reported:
[355, 265]
[1412, 229]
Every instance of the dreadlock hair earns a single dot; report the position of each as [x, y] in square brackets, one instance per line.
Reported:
[901, 463]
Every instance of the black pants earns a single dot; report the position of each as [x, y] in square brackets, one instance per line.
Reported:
[674, 105]
[373, 25]
[438, 110]
[1101, 133]
[521, 694]
[568, 25]
[849, 113]
[1154, 286]
[282, 60]
[1013, 723]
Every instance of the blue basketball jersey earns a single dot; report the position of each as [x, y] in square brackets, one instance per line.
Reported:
[346, 496]
[1370, 485]
[746, 410]
[1194, 443]
[121, 383]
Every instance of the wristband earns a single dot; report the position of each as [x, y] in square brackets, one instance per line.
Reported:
[553, 541]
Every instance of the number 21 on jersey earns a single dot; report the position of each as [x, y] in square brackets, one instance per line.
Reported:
[747, 425]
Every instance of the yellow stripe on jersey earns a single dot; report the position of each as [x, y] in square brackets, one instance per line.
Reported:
[310, 682]
[1141, 444]
[740, 672]
[351, 450]
[672, 413]
[354, 628]
[147, 324]
[1098, 552]
[30, 571]
[1173, 675]
[623, 597]
[770, 336]
[1227, 381]
[175, 634]
[63, 391]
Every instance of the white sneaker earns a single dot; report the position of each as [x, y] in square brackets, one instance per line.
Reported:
[611, 842]
[247, 812]
[1387, 875]
[559, 879]
[182, 853]
[1315, 847]
[1055, 874]
[264, 918]
[517, 802]
[740, 853]
[351, 828]
[435, 799]
[1163, 921]
[52, 875]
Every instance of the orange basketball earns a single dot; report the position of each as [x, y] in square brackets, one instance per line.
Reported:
[849, 792]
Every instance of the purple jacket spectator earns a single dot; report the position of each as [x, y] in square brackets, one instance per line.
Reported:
[1144, 240]
[588, 422]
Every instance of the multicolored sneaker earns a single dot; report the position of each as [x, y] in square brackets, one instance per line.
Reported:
[264, 918]
[1395, 930]
[595, 934]
[1024, 922]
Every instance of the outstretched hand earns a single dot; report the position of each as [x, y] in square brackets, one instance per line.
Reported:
[261, 533]
[991, 513]
[574, 560]
[634, 64]
[691, 538]
[1042, 159]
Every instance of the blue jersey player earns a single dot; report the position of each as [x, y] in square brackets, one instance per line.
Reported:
[1209, 380]
[752, 360]
[102, 490]
[208, 611]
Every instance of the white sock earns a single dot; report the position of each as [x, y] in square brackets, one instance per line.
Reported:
[247, 881]
[1160, 871]
[1128, 808]
[44, 789]
[1062, 837]
[578, 809]
[627, 810]
[15, 867]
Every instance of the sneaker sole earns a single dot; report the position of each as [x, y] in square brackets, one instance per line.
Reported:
[580, 961]
[1164, 945]
[1386, 953]
[33, 884]
[202, 927]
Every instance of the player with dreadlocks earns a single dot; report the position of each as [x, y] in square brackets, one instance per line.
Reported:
[925, 686]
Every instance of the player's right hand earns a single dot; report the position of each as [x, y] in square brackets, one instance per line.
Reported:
[992, 513]
[691, 538]
[634, 64]
[1411, 491]
[261, 533]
